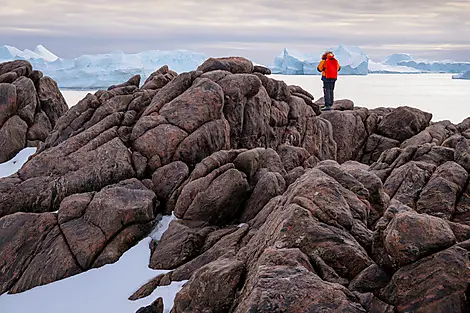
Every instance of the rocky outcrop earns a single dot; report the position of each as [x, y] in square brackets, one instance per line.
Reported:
[30, 106]
[278, 208]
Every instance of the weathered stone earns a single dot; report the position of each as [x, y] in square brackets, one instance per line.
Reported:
[234, 65]
[437, 283]
[410, 237]
[12, 138]
[212, 288]
[439, 196]
[27, 99]
[168, 178]
[8, 104]
[403, 123]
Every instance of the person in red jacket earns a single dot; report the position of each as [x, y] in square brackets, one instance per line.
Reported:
[329, 67]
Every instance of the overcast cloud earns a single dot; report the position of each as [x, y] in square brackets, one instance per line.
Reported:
[258, 29]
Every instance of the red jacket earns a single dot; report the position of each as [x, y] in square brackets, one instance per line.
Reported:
[329, 67]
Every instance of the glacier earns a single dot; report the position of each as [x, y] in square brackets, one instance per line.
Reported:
[102, 70]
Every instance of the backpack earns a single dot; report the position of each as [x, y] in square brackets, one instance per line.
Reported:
[331, 65]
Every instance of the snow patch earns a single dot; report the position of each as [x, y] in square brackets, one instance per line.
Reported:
[11, 167]
[162, 226]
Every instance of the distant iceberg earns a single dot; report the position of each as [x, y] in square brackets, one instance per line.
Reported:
[102, 70]
[39, 53]
[396, 58]
[465, 75]
[352, 59]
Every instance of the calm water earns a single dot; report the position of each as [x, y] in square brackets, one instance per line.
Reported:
[439, 94]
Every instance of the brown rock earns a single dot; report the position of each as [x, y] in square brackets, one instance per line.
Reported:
[411, 236]
[372, 304]
[343, 104]
[437, 283]
[133, 81]
[219, 202]
[12, 138]
[91, 222]
[269, 186]
[212, 288]
[403, 123]
[234, 65]
[349, 133]
[370, 279]
[209, 138]
[283, 281]
[406, 182]
[198, 105]
[41, 128]
[8, 78]
[147, 289]
[261, 69]
[21, 235]
[51, 100]
[53, 261]
[439, 196]
[179, 244]
[27, 99]
[155, 307]
[168, 178]
[8, 105]
[13, 65]
[375, 145]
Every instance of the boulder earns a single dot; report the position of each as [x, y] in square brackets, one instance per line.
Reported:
[403, 123]
[235, 65]
[437, 283]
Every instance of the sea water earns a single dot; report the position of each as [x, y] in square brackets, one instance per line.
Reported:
[439, 94]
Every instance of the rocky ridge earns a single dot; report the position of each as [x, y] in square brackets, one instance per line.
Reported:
[30, 105]
[280, 208]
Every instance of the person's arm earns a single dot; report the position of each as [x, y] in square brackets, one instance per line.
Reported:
[321, 66]
[339, 67]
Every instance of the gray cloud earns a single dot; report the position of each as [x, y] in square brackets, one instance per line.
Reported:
[258, 29]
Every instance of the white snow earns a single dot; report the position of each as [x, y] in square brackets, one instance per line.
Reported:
[162, 226]
[10, 167]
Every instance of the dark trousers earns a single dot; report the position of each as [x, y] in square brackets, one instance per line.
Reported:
[328, 91]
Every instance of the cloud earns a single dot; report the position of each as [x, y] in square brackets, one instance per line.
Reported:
[266, 26]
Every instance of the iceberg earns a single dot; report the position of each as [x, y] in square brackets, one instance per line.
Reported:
[396, 58]
[406, 60]
[102, 70]
[8, 53]
[352, 59]
[465, 75]
[384, 68]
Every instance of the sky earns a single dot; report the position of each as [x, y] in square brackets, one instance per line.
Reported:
[257, 29]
